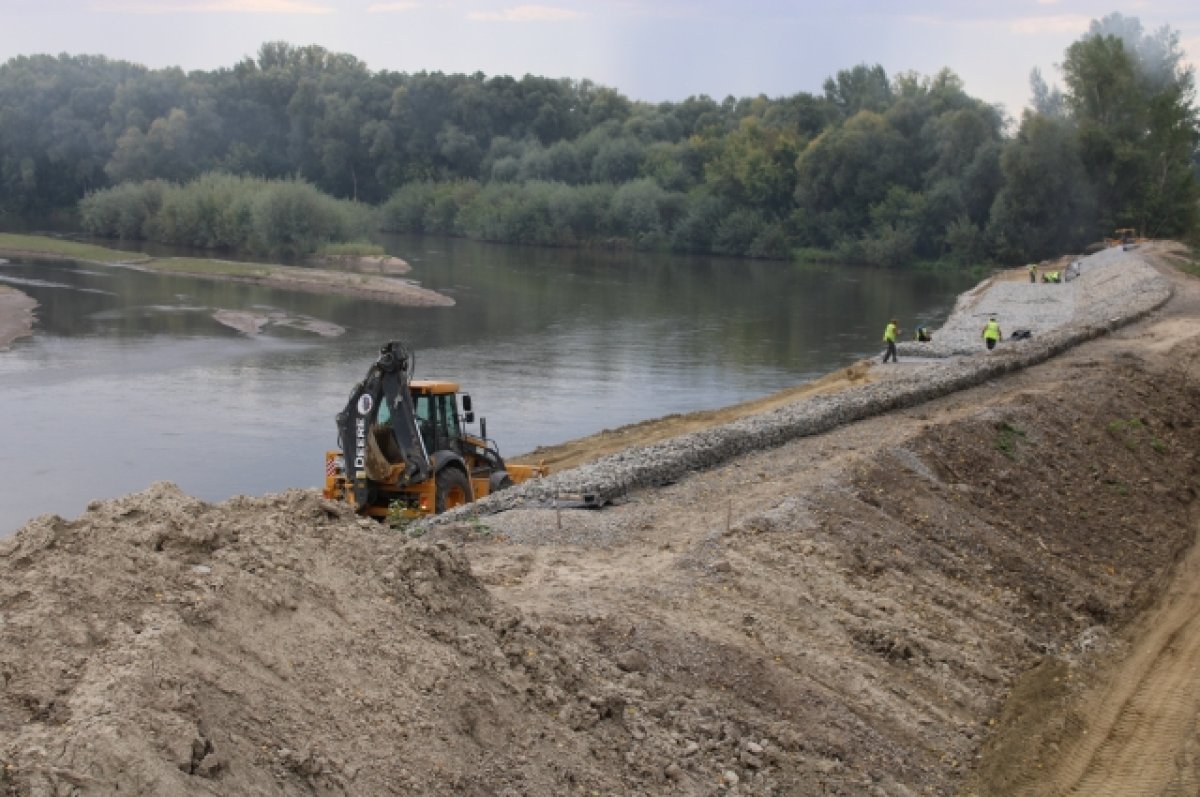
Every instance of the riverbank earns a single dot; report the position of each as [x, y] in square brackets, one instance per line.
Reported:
[1115, 288]
[370, 277]
[910, 599]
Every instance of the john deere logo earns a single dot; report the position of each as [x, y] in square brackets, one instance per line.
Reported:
[365, 404]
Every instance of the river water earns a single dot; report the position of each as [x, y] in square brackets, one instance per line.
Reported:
[129, 379]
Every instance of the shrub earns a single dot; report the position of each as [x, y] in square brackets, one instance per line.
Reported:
[737, 232]
[222, 211]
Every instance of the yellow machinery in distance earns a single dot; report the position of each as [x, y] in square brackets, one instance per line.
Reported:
[404, 449]
[1125, 236]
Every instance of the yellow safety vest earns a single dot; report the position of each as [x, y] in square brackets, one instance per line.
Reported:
[991, 331]
[889, 334]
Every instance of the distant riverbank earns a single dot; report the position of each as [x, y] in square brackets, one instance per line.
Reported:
[368, 277]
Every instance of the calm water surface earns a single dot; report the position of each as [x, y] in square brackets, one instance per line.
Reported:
[129, 379]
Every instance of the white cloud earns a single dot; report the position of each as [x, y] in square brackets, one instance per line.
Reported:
[526, 14]
[385, 8]
[1064, 23]
[217, 7]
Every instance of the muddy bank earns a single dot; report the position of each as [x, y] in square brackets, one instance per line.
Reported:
[371, 277]
[16, 316]
[374, 287]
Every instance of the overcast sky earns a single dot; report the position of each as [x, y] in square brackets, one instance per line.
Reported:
[651, 50]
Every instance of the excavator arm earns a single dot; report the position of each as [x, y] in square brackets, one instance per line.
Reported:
[386, 385]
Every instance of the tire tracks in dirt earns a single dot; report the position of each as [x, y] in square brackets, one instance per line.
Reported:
[1137, 724]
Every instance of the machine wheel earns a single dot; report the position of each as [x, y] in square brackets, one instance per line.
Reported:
[500, 480]
[452, 489]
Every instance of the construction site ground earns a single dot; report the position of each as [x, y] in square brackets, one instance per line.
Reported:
[994, 593]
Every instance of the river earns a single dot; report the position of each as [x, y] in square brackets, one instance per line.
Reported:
[129, 379]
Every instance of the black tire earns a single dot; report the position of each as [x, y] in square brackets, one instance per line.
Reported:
[452, 488]
[500, 480]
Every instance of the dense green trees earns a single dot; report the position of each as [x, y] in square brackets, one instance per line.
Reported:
[1118, 148]
[877, 169]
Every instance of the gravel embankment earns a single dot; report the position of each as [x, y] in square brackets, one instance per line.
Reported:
[1115, 287]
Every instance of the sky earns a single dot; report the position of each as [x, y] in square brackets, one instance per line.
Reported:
[651, 50]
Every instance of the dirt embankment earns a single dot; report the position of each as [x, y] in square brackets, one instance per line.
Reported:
[917, 603]
[586, 449]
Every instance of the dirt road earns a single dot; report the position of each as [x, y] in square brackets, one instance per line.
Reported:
[1135, 729]
[987, 594]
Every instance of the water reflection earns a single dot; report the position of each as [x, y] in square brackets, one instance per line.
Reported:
[131, 378]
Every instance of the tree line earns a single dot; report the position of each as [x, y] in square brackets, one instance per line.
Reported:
[301, 146]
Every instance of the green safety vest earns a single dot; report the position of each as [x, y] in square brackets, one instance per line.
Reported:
[889, 334]
[991, 331]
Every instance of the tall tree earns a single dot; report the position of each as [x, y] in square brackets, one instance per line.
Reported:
[1133, 100]
[862, 88]
[1046, 205]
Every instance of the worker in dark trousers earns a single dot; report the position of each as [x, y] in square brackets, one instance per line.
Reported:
[1032, 273]
[889, 337]
[991, 333]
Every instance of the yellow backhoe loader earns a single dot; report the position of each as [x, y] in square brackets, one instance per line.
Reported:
[404, 449]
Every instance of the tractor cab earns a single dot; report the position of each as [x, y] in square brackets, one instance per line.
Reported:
[435, 407]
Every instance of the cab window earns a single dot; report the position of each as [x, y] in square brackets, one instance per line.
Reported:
[437, 419]
[424, 410]
[447, 420]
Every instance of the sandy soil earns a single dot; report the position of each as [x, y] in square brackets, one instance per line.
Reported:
[16, 316]
[992, 594]
[375, 287]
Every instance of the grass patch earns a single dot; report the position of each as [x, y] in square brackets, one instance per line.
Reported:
[400, 518]
[202, 265]
[1007, 436]
[58, 247]
[1119, 426]
[1127, 431]
[1189, 261]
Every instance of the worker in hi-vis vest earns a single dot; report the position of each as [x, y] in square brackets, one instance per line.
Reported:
[889, 337]
[991, 333]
